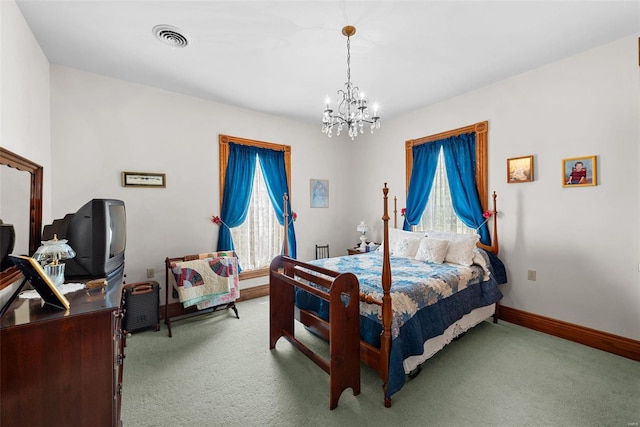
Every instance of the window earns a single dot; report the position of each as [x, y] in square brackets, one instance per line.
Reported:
[438, 214]
[259, 238]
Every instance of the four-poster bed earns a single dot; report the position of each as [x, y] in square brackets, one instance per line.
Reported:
[399, 326]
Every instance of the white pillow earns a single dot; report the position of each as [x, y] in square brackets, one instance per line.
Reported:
[432, 250]
[396, 234]
[461, 246]
[406, 247]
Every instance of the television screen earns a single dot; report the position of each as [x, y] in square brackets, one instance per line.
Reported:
[118, 229]
[97, 232]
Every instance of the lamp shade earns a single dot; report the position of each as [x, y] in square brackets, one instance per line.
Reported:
[49, 253]
[362, 227]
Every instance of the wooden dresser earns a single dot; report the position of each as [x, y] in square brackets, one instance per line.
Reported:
[62, 368]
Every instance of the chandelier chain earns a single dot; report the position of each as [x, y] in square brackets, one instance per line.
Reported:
[349, 60]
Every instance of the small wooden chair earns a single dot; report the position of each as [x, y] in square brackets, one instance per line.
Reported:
[322, 251]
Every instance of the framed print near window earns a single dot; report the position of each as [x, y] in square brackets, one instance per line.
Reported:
[520, 169]
[319, 193]
[144, 179]
[579, 171]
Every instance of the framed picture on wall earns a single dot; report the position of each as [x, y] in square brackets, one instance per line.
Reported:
[319, 193]
[520, 169]
[579, 171]
[144, 179]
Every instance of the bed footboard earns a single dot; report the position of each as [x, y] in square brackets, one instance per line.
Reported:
[342, 292]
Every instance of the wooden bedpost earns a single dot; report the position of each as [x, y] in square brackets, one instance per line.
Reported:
[387, 313]
[395, 211]
[285, 246]
[494, 243]
[495, 246]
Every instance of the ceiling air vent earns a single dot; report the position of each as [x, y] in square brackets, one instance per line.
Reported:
[170, 35]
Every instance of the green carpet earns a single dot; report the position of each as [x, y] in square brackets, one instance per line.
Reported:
[218, 371]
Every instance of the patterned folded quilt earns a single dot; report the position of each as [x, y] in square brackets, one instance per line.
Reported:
[205, 279]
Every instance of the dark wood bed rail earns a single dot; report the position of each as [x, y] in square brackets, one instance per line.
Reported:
[342, 292]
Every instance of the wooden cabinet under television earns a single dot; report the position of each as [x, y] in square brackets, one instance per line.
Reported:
[62, 368]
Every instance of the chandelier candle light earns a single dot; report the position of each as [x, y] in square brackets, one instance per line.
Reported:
[352, 105]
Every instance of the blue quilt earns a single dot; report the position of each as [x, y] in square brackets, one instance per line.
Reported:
[426, 298]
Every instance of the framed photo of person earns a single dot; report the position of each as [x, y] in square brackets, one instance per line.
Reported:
[579, 171]
[520, 169]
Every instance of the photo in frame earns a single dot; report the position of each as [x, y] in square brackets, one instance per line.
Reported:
[520, 169]
[319, 189]
[144, 179]
[579, 171]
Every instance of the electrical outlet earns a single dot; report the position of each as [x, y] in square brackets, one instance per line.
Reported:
[531, 275]
[150, 273]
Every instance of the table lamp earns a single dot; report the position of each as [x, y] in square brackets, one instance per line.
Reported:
[49, 255]
[363, 228]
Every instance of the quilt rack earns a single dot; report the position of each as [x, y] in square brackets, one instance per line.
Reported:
[224, 302]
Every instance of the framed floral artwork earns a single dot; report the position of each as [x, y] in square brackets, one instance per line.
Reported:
[579, 171]
[520, 169]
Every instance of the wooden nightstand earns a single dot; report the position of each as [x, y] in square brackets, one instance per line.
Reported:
[354, 251]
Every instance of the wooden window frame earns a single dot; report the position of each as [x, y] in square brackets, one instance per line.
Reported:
[482, 157]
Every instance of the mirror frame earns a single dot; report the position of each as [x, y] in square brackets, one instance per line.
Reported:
[15, 161]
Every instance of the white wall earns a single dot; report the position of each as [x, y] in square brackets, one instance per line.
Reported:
[103, 126]
[583, 242]
[24, 118]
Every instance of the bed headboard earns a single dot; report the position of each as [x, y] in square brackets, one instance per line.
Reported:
[494, 248]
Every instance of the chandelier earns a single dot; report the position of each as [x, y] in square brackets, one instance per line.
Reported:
[352, 105]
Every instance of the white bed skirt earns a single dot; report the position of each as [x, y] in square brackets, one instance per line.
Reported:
[435, 344]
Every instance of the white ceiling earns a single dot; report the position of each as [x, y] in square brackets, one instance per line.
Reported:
[285, 57]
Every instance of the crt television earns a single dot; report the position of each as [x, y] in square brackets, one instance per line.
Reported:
[7, 242]
[97, 232]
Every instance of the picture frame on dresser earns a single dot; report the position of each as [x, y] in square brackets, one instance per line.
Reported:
[41, 282]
